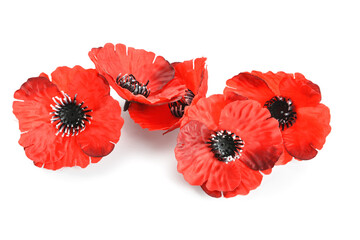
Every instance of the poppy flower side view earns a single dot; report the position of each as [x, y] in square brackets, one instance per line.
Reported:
[193, 76]
[136, 75]
[69, 121]
[294, 102]
[224, 144]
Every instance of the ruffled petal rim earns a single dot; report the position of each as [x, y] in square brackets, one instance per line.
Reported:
[308, 133]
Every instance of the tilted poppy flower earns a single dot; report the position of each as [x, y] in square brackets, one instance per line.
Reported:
[68, 121]
[193, 76]
[224, 144]
[294, 102]
[136, 75]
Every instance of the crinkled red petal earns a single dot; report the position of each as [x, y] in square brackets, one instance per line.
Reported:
[195, 160]
[192, 73]
[99, 138]
[250, 180]
[308, 132]
[206, 110]
[249, 86]
[152, 117]
[261, 134]
[301, 91]
[112, 60]
[224, 176]
[87, 84]
[215, 193]
[284, 158]
[42, 145]
[272, 79]
[73, 156]
[35, 97]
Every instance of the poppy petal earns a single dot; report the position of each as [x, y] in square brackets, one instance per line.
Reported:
[99, 137]
[87, 84]
[224, 176]
[260, 132]
[73, 156]
[308, 133]
[250, 180]
[191, 73]
[207, 111]
[284, 158]
[42, 145]
[194, 158]
[215, 193]
[272, 79]
[249, 86]
[153, 117]
[301, 91]
[35, 97]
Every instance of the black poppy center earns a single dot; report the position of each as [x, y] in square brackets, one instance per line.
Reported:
[282, 109]
[177, 108]
[135, 87]
[69, 116]
[225, 145]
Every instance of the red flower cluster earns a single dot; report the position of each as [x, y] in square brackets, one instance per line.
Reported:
[226, 141]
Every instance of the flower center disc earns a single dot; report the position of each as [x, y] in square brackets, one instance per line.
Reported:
[177, 108]
[282, 110]
[69, 116]
[130, 83]
[225, 145]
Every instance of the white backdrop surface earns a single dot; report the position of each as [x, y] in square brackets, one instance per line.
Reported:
[136, 191]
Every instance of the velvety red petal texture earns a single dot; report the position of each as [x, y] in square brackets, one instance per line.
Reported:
[153, 117]
[250, 180]
[284, 158]
[273, 79]
[215, 193]
[249, 86]
[112, 60]
[308, 133]
[207, 111]
[194, 158]
[192, 73]
[73, 156]
[35, 97]
[89, 86]
[302, 92]
[99, 138]
[42, 145]
[260, 132]
[224, 176]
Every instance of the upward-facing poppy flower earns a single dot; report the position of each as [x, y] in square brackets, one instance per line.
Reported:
[224, 144]
[294, 102]
[68, 121]
[190, 74]
[136, 75]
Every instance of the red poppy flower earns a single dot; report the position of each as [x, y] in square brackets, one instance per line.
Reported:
[135, 74]
[190, 74]
[292, 100]
[68, 121]
[224, 145]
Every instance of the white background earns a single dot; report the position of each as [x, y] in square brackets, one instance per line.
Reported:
[136, 192]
